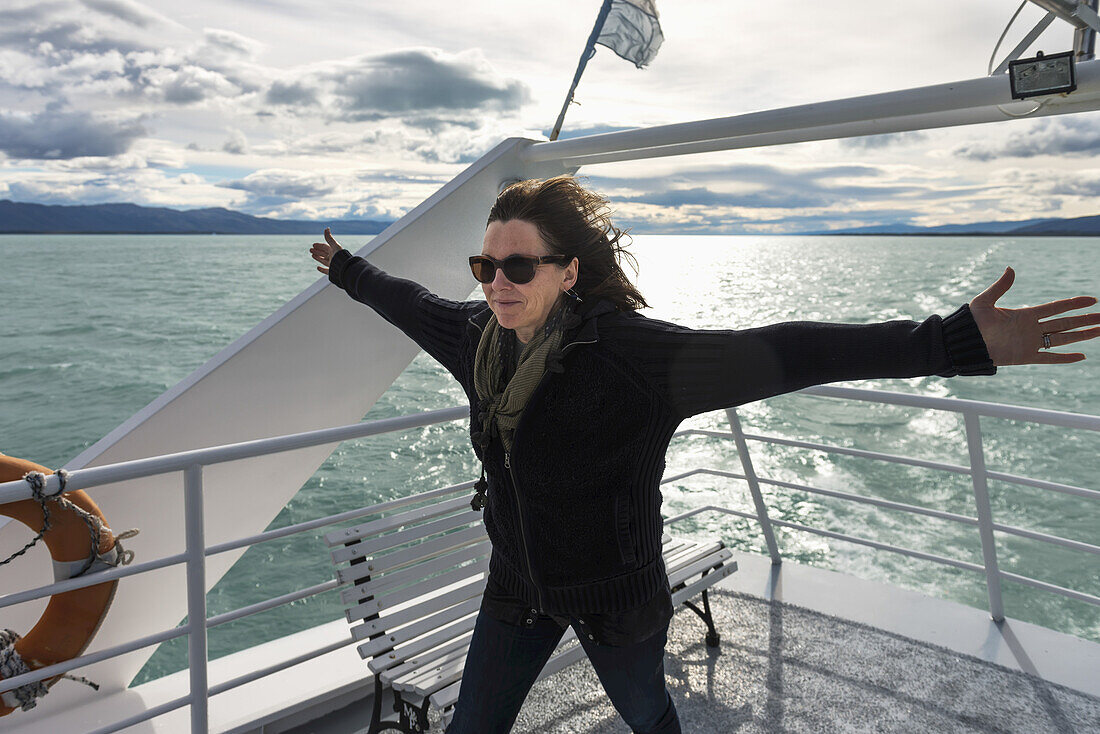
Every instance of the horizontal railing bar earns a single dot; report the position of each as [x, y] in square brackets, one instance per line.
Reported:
[1053, 588]
[861, 453]
[726, 510]
[877, 126]
[894, 458]
[692, 472]
[271, 603]
[92, 579]
[50, 671]
[321, 522]
[959, 405]
[127, 470]
[965, 565]
[1046, 586]
[1054, 539]
[889, 504]
[152, 713]
[938, 98]
[263, 672]
[1043, 484]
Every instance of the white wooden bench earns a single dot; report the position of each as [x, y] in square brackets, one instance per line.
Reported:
[415, 576]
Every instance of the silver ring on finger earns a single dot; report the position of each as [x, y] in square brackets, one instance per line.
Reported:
[1046, 341]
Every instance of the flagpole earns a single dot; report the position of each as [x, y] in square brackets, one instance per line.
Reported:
[589, 51]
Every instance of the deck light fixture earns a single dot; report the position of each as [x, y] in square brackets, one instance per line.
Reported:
[1042, 75]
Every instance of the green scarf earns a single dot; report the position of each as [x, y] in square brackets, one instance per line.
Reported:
[503, 403]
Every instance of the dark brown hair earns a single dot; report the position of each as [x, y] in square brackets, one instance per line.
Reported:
[575, 222]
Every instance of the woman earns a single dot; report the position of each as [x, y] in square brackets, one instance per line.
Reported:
[574, 398]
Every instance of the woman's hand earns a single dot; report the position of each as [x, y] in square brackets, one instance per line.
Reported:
[1015, 335]
[323, 252]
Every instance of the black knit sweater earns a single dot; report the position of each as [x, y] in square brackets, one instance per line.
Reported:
[573, 511]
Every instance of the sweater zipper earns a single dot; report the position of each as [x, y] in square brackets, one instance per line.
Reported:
[519, 501]
[523, 529]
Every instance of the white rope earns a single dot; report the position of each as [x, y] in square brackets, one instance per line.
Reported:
[11, 665]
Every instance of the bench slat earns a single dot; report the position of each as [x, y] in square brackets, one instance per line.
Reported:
[432, 678]
[392, 522]
[434, 652]
[422, 589]
[697, 566]
[687, 551]
[369, 546]
[406, 556]
[395, 639]
[378, 585]
[704, 583]
[405, 616]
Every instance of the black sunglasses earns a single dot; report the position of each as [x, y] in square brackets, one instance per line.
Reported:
[519, 269]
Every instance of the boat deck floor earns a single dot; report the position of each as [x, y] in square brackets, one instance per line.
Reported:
[784, 668]
[804, 649]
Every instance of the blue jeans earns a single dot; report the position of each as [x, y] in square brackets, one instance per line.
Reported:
[504, 661]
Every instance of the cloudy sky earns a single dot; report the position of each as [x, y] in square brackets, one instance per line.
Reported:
[361, 108]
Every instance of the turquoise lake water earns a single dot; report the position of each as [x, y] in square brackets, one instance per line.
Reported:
[96, 327]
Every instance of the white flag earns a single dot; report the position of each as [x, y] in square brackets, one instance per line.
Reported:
[632, 30]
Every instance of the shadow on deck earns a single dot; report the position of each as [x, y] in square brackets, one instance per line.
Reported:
[783, 668]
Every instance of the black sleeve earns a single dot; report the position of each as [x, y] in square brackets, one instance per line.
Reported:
[435, 324]
[698, 371]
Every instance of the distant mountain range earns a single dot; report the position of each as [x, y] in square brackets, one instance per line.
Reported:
[1076, 227]
[19, 218]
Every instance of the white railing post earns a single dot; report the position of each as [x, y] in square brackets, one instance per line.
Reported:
[754, 486]
[196, 596]
[985, 514]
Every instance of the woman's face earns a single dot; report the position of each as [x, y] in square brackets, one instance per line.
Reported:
[523, 306]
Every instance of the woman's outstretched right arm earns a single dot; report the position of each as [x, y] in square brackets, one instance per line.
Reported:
[435, 324]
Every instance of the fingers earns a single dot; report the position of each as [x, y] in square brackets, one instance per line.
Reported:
[1070, 322]
[1044, 310]
[989, 296]
[329, 239]
[322, 271]
[1070, 337]
[1057, 358]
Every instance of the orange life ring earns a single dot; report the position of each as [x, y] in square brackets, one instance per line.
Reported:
[71, 618]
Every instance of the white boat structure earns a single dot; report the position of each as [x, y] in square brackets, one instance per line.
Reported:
[204, 468]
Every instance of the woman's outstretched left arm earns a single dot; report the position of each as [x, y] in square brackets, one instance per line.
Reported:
[698, 371]
[1021, 336]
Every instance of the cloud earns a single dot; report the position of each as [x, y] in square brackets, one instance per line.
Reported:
[886, 140]
[65, 27]
[423, 80]
[55, 134]
[230, 42]
[1073, 136]
[759, 186]
[237, 143]
[274, 185]
[187, 83]
[291, 93]
[148, 187]
[130, 12]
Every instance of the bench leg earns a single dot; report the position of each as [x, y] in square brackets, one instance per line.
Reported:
[403, 725]
[712, 637]
[413, 718]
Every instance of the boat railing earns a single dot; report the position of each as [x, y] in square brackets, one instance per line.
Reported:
[191, 464]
